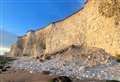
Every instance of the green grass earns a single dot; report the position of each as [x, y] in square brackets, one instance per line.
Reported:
[112, 81]
[5, 60]
[51, 81]
[2, 62]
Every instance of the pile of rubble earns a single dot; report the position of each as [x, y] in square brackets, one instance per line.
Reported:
[77, 63]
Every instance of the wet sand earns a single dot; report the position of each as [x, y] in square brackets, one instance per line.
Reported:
[24, 76]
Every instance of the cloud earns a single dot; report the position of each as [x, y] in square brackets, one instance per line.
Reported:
[6, 40]
[3, 50]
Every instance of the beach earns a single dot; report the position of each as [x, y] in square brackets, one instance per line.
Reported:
[23, 76]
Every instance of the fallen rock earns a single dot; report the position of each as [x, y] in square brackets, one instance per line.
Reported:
[73, 64]
[46, 72]
[86, 56]
[61, 79]
[4, 69]
[1, 67]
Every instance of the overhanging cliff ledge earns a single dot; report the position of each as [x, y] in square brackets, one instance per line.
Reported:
[96, 25]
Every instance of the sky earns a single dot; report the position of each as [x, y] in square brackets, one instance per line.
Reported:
[6, 40]
[18, 16]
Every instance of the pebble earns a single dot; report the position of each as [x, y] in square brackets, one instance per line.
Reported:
[58, 67]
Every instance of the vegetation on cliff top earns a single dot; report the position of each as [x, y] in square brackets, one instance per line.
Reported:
[110, 9]
[118, 58]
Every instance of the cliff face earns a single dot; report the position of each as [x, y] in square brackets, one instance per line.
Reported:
[96, 25]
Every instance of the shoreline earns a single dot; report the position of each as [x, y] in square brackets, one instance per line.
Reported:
[32, 70]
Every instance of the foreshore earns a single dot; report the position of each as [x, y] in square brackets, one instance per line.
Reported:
[23, 76]
[28, 69]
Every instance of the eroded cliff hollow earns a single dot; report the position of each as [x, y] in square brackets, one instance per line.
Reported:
[96, 25]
